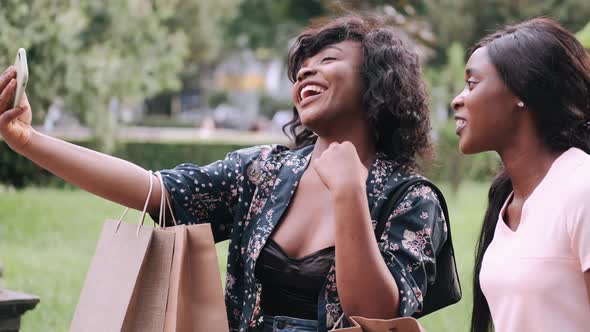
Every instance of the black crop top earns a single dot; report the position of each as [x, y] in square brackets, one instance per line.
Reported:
[290, 287]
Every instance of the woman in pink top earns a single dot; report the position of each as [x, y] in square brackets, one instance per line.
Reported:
[528, 98]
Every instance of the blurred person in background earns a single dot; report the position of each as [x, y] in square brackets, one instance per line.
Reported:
[298, 217]
[528, 98]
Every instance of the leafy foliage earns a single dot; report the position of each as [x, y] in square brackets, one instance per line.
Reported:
[269, 24]
[89, 53]
[466, 21]
[584, 36]
[288, 17]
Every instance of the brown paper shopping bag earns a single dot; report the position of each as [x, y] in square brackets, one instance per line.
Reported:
[361, 324]
[195, 297]
[111, 278]
[147, 309]
[106, 297]
[152, 279]
[126, 287]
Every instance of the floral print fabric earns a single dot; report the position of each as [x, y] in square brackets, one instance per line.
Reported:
[244, 196]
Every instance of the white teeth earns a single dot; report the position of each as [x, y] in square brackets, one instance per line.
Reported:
[315, 88]
[459, 123]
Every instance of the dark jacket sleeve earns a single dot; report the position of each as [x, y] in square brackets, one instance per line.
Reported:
[413, 235]
[211, 193]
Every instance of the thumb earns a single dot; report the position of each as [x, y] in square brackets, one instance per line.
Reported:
[10, 115]
[315, 164]
[319, 169]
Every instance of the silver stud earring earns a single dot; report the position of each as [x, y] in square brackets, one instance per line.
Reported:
[520, 104]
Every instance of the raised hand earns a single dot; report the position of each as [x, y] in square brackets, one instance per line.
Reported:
[15, 124]
[340, 168]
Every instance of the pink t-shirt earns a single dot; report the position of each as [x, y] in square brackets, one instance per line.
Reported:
[533, 278]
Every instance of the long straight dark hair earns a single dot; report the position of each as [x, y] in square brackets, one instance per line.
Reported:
[549, 70]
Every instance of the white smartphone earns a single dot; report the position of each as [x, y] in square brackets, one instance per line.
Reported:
[22, 76]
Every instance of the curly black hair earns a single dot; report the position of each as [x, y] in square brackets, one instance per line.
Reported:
[394, 95]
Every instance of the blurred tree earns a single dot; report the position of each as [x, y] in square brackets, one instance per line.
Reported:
[90, 54]
[204, 23]
[445, 83]
[95, 54]
[267, 25]
[288, 17]
[407, 17]
[468, 20]
[584, 36]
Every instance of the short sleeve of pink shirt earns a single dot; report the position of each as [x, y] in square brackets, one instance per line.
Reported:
[578, 221]
[533, 277]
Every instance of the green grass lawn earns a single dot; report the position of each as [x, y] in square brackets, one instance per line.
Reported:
[47, 239]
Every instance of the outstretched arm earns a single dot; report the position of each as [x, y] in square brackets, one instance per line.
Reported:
[109, 177]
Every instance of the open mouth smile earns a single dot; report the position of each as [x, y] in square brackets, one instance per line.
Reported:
[309, 93]
[460, 124]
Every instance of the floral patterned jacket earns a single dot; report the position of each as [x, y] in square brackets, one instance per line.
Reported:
[245, 195]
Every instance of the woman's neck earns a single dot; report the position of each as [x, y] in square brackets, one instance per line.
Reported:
[527, 164]
[365, 148]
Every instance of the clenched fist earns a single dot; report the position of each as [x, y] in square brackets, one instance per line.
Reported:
[340, 168]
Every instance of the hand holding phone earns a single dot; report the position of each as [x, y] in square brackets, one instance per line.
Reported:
[22, 76]
[15, 124]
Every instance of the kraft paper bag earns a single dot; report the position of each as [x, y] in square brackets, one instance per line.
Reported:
[402, 324]
[152, 279]
[195, 296]
[147, 309]
[126, 286]
[112, 276]
[195, 299]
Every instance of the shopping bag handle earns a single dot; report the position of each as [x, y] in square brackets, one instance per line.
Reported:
[164, 203]
[339, 323]
[142, 218]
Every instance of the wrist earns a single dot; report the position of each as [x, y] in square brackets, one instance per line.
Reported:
[349, 192]
[24, 147]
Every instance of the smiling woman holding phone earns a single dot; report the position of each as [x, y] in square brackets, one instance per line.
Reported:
[303, 248]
